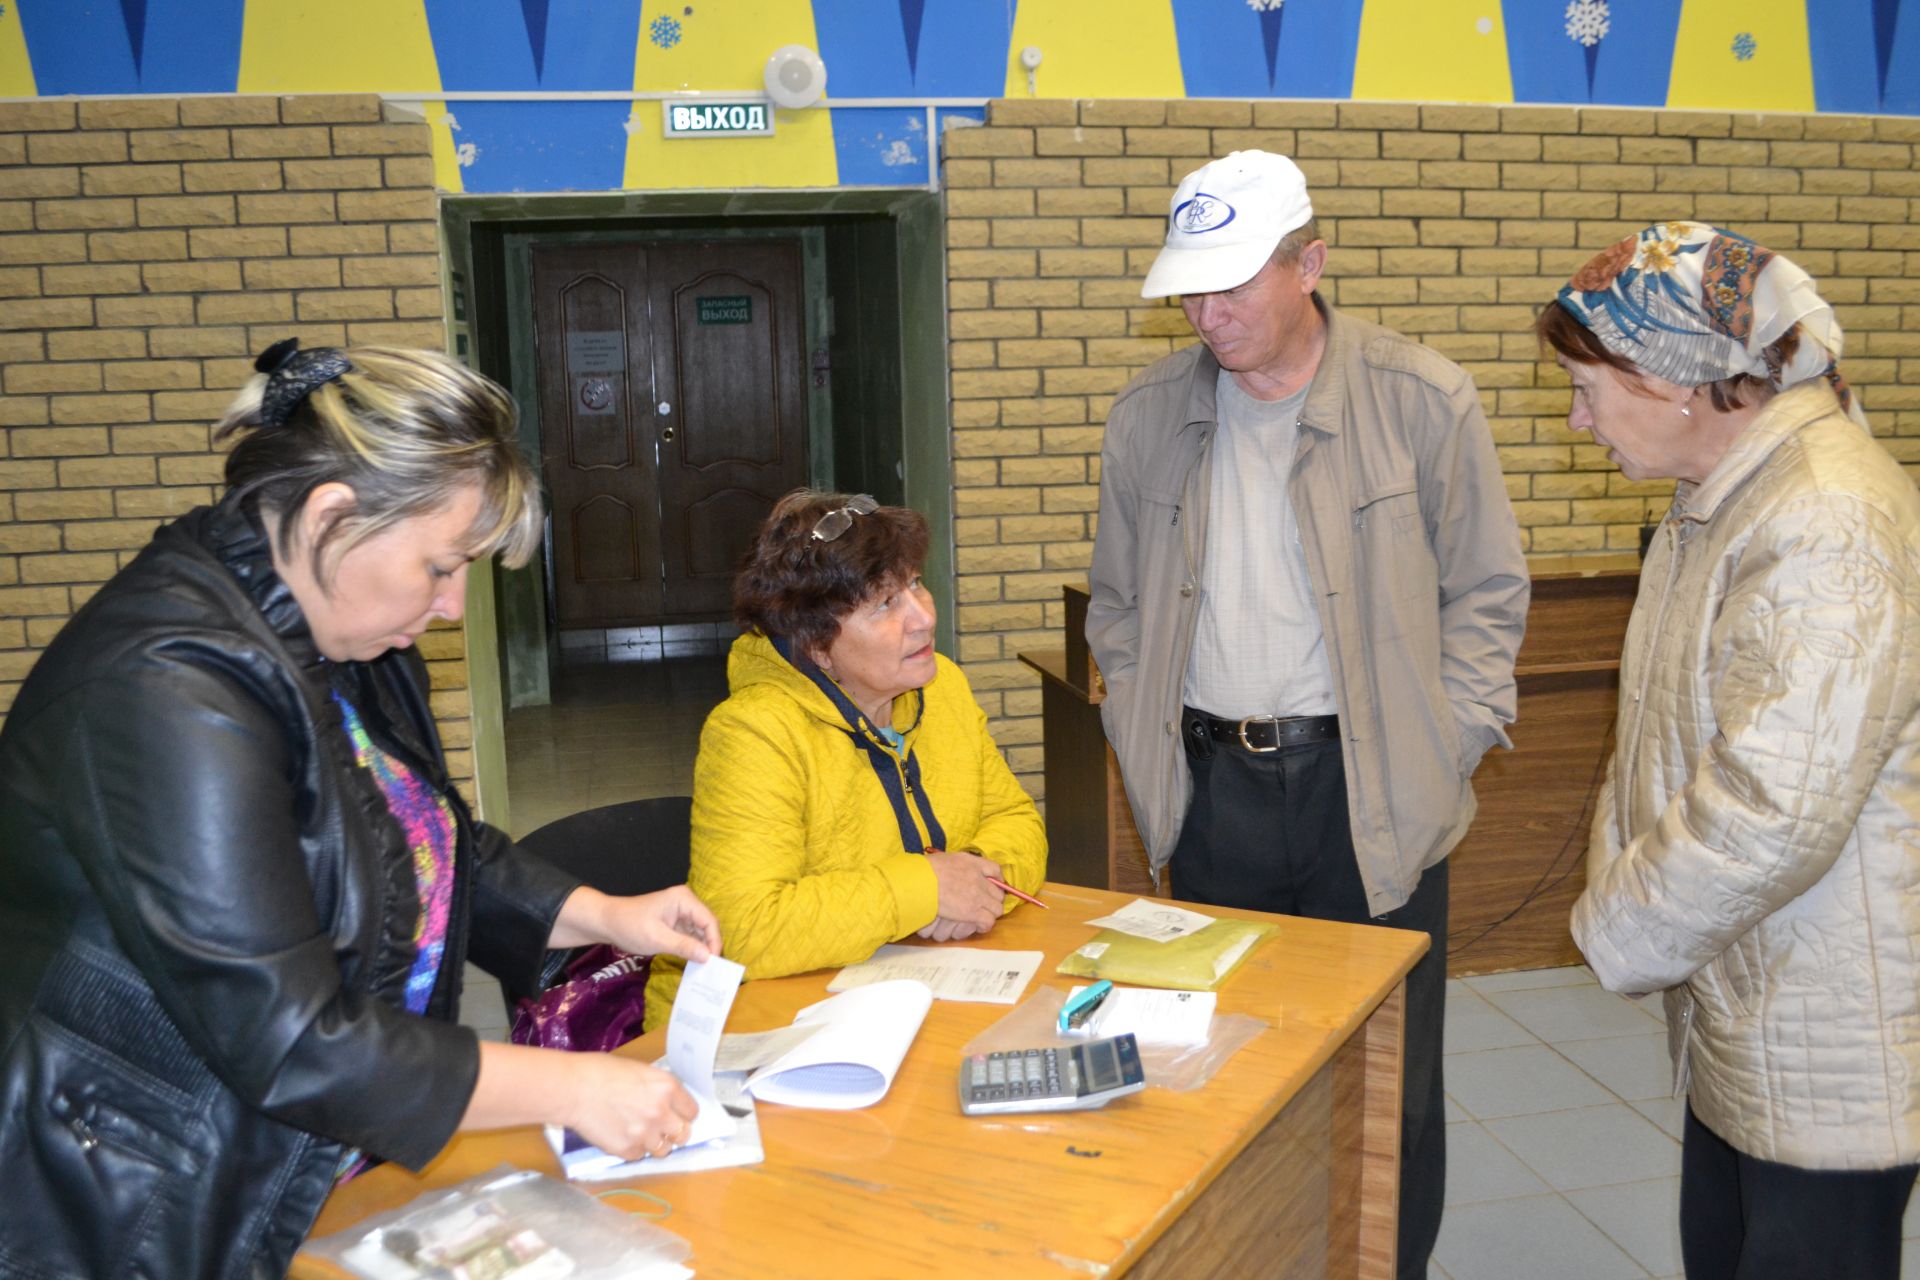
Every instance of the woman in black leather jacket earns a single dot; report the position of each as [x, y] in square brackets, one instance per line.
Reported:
[236, 887]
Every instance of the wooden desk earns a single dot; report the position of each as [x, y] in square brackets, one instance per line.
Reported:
[1515, 875]
[1285, 1164]
[1091, 839]
[1518, 871]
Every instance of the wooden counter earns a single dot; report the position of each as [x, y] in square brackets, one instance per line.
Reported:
[1514, 877]
[1284, 1165]
[1516, 874]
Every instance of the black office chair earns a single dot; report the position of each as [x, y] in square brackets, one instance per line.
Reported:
[639, 846]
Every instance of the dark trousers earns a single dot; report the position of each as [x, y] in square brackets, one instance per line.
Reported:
[1743, 1218]
[1270, 833]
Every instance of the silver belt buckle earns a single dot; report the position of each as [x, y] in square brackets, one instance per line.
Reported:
[1259, 751]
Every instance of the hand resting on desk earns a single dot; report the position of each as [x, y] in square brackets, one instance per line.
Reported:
[969, 900]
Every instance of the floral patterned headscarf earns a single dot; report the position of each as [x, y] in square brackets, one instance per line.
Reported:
[1694, 304]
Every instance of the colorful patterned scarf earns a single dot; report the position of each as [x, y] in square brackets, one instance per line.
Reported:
[1694, 304]
[423, 814]
[427, 821]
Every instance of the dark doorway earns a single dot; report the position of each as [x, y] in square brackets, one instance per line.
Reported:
[671, 383]
[654, 523]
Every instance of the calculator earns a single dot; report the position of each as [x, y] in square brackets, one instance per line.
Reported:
[1073, 1078]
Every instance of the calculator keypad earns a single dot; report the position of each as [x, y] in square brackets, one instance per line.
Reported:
[1052, 1079]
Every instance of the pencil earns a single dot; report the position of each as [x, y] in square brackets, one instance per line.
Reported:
[1024, 897]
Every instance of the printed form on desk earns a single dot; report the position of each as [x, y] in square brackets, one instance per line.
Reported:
[970, 974]
[1154, 921]
[1152, 1015]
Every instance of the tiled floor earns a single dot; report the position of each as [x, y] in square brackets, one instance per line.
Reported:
[614, 731]
[1563, 1144]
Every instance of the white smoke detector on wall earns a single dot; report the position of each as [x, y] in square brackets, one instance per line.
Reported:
[796, 77]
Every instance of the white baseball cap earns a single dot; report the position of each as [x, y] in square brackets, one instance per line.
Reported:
[1228, 216]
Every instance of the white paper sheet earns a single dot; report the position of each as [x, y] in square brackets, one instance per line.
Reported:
[1153, 1015]
[970, 974]
[693, 1037]
[585, 1163]
[1154, 921]
[746, 1050]
[850, 1063]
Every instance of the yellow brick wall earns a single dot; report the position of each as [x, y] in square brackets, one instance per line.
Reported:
[149, 248]
[1449, 223]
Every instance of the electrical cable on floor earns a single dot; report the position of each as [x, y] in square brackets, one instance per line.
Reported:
[1542, 885]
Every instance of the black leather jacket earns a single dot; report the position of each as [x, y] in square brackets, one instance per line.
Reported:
[207, 913]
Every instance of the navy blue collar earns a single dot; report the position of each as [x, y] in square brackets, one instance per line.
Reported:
[899, 777]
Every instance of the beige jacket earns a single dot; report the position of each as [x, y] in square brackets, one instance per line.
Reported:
[1756, 850]
[1415, 560]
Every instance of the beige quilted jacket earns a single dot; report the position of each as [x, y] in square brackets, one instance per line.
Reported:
[1756, 851]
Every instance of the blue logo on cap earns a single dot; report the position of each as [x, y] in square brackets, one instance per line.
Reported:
[1201, 214]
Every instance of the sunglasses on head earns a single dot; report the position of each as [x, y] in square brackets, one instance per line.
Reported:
[840, 519]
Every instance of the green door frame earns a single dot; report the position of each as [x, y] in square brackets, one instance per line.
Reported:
[926, 444]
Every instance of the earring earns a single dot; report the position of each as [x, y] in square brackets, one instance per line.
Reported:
[1686, 411]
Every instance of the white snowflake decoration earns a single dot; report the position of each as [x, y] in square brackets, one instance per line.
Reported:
[1265, 6]
[1588, 21]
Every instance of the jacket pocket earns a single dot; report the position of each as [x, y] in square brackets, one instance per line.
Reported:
[1393, 562]
[1161, 505]
[1722, 987]
[103, 1162]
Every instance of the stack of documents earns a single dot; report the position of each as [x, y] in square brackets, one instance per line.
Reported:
[840, 1054]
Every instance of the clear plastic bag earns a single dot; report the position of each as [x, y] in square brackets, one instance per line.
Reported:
[1034, 1024]
[509, 1224]
[1198, 962]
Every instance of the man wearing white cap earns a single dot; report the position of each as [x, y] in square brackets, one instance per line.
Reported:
[1307, 594]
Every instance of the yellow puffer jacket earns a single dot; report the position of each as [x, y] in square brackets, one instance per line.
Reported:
[796, 846]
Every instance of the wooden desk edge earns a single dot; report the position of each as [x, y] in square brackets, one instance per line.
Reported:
[1356, 1031]
[1052, 666]
[1360, 1032]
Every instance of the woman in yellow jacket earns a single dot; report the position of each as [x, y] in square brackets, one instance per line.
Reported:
[847, 793]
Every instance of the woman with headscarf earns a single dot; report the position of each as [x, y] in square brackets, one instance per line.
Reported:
[237, 886]
[1756, 849]
[847, 793]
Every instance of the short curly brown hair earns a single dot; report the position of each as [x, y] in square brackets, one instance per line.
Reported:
[794, 587]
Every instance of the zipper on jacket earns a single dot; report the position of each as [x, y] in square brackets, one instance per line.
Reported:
[1624, 785]
[1205, 457]
[1186, 536]
[84, 1133]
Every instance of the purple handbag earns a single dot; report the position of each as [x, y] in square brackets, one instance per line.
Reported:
[599, 1005]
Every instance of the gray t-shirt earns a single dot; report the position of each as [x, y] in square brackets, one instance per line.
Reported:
[1258, 648]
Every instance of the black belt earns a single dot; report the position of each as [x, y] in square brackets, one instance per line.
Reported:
[1259, 734]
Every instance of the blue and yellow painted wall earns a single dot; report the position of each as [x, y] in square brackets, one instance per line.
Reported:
[887, 59]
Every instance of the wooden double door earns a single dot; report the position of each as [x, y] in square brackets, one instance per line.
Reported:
[673, 410]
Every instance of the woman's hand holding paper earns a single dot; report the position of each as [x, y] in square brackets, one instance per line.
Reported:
[670, 922]
[625, 1107]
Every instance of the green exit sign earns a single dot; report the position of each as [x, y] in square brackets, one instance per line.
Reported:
[726, 308]
[711, 119]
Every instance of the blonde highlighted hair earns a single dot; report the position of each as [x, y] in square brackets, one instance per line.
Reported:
[406, 431]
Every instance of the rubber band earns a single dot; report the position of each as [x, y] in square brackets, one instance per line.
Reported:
[666, 1207]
